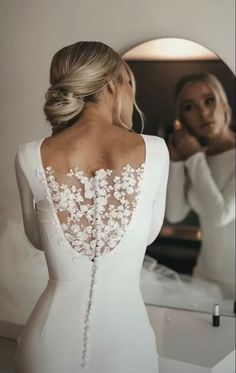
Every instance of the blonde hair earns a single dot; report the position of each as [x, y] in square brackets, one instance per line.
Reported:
[212, 82]
[78, 72]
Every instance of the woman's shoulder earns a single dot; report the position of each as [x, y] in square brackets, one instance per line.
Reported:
[27, 152]
[158, 144]
[30, 144]
[226, 154]
[154, 138]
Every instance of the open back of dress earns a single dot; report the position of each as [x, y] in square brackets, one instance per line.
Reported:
[94, 211]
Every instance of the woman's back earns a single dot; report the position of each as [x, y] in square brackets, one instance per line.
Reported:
[92, 149]
[93, 263]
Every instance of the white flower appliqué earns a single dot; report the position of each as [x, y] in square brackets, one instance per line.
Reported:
[94, 211]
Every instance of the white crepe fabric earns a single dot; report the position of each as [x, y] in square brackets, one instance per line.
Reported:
[94, 231]
[206, 184]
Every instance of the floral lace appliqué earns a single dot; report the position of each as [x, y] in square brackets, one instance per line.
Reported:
[94, 211]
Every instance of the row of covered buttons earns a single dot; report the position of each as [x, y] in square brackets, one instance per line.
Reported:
[92, 285]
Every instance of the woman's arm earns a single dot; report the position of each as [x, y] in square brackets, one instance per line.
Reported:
[218, 206]
[177, 206]
[159, 202]
[27, 206]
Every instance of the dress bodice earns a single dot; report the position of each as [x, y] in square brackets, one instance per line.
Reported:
[94, 231]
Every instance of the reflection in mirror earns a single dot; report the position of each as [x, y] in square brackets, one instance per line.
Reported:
[187, 95]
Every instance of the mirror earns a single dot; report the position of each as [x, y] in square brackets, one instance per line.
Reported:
[191, 263]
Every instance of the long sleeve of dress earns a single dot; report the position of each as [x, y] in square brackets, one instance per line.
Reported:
[159, 203]
[177, 206]
[27, 206]
[218, 206]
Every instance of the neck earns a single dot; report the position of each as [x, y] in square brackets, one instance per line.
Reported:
[95, 121]
[222, 141]
[95, 117]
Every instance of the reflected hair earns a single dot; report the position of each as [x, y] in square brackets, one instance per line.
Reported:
[78, 73]
[212, 82]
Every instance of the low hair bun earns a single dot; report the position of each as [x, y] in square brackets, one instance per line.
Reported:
[61, 106]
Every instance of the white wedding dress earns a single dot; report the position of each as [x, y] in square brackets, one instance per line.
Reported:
[94, 232]
[206, 184]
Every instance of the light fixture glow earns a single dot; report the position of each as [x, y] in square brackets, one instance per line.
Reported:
[169, 49]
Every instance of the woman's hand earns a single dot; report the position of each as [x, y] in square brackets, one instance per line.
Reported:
[175, 154]
[186, 144]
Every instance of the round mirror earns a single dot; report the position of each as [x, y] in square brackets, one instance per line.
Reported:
[187, 95]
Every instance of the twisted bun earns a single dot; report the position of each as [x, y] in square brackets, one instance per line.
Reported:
[61, 106]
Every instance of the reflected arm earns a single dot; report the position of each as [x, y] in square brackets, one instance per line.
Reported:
[177, 206]
[27, 206]
[218, 206]
[159, 202]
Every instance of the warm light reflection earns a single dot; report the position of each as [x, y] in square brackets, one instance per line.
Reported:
[181, 232]
[169, 49]
[199, 234]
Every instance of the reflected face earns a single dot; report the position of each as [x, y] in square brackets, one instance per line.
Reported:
[127, 100]
[201, 111]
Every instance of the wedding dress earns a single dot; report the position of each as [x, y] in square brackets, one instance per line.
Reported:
[206, 184]
[94, 231]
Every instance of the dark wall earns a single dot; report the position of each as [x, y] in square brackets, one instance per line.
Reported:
[155, 89]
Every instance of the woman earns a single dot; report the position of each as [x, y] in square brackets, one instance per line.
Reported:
[92, 198]
[202, 174]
